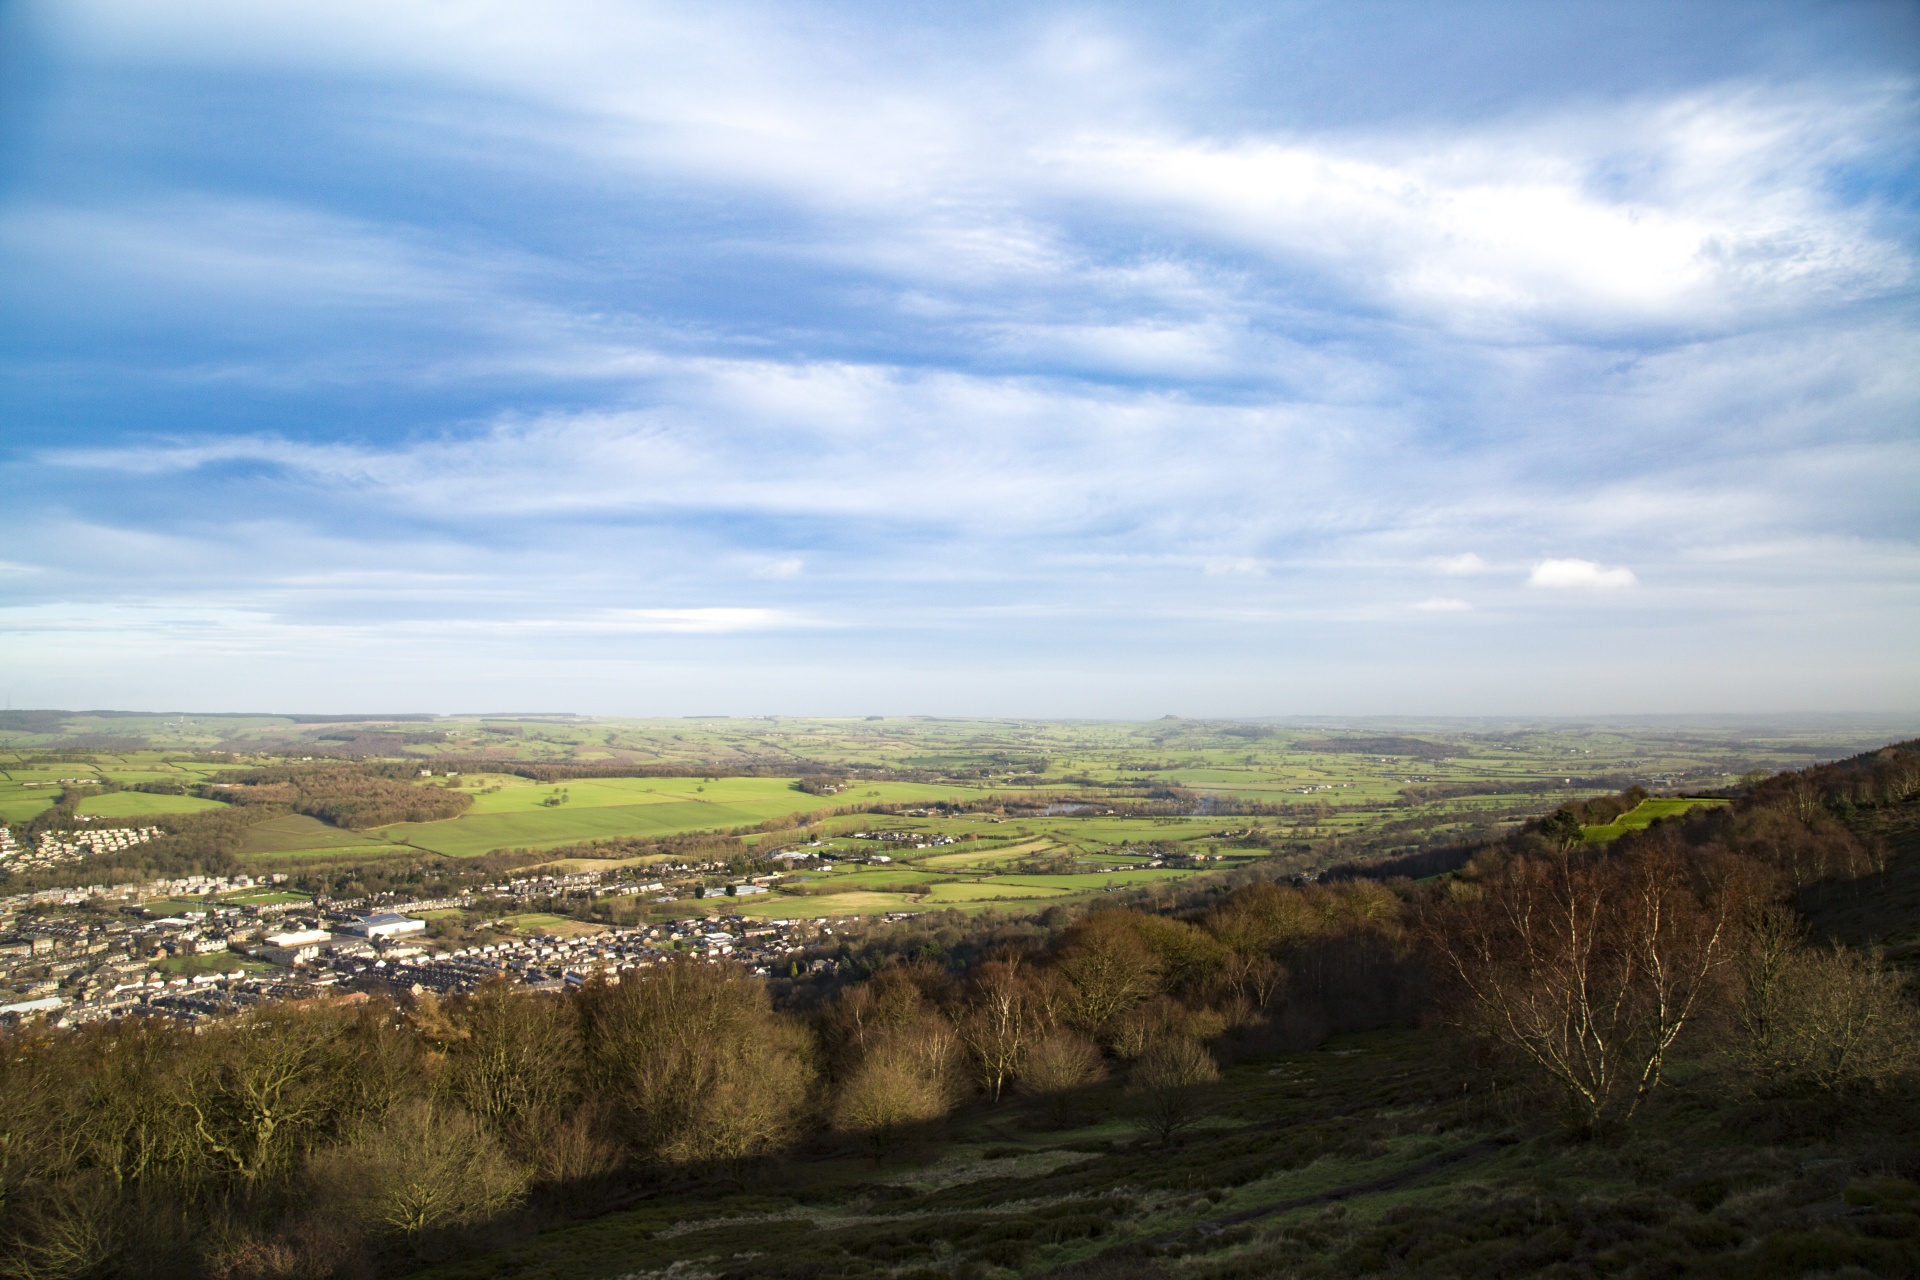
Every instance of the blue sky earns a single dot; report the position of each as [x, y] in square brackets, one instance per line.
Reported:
[1022, 359]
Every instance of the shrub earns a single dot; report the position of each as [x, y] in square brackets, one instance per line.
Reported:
[1166, 1084]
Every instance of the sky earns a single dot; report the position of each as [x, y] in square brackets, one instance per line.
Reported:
[1041, 360]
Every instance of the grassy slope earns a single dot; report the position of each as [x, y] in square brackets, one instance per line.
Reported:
[1354, 1160]
[1642, 816]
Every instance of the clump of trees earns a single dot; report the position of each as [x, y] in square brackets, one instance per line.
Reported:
[1588, 971]
[312, 1138]
[352, 796]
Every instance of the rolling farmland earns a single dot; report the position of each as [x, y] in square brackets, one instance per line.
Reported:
[973, 814]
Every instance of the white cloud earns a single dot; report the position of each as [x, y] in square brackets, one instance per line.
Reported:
[1460, 565]
[965, 173]
[1580, 574]
[1443, 604]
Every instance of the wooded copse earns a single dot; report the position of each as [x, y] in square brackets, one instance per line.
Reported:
[353, 796]
[323, 1138]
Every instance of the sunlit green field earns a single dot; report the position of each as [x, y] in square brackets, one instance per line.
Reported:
[777, 906]
[21, 804]
[1099, 879]
[547, 923]
[133, 804]
[1642, 816]
[29, 787]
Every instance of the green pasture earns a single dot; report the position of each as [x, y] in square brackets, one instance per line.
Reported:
[335, 855]
[999, 889]
[611, 808]
[22, 804]
[1099, 879]
[882, 880]
[985, 860]
[297, 833]
[776, 906]
[532, 922]
[1642, 816]
[139, 804]
[768, 797]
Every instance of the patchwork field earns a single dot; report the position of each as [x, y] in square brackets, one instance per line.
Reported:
[1303, 795]
[514, 813]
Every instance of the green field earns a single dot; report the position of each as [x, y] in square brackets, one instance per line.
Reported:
[518, 815]
[991, 891]
[532, 922]
[138, 804]
[777, 906]
[1642, 816]
[1300, 795]
[297, 833]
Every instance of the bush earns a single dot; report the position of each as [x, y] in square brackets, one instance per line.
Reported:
[1166, 1084]
[1830, 1021]
[423, 1168]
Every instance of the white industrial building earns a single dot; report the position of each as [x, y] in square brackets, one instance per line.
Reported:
[385, 924]
[296, 947]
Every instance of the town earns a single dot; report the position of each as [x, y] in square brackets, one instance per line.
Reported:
[76, 956]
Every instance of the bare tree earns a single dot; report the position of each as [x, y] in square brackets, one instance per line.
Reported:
[1166, 1083]
[1586, 969]
[1833, 1021]
[885, 1095]
[257, 1087]
[1055, 1067]
[999, 1022]
[423, 1167]
[518, 1059]
[1110, 968]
